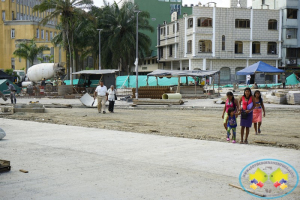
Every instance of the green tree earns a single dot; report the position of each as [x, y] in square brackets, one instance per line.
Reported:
[118, 37]
[67, 11]
[29, 51]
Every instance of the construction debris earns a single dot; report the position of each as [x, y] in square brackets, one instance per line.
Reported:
[2, 133]
[57, 105]
[4, 165]
[238, 187]
[31, 108]
[265, 142]
[24, 171]
[158, 102]
[88, 101]
[293, 97]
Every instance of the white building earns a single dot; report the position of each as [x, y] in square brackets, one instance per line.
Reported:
[289, 10]
[225, 39]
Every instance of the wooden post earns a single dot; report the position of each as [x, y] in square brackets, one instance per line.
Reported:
[213, 84]
[219, 83]
[147, 81]
[156, 81]
[186, 81]
[178, 87]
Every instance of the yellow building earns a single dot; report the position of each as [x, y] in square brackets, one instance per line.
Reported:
[17, 24]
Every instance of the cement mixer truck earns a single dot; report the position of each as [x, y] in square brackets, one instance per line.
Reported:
[40, 71]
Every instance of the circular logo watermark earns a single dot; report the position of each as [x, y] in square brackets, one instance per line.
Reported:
[269, 178]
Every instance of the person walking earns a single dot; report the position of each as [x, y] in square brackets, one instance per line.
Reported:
[101, 94]
[257, 112]
[230, 103]
[231, 124]
[111, 98]
[248, 77]
[13, 91]
[246, 109]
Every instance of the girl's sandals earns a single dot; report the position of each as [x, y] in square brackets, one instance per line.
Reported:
[259, 131]
[246, 142]
[241, 142]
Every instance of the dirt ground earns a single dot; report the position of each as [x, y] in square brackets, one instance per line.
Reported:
[280, 127]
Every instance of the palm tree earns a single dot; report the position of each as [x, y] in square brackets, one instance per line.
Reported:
[119, 32]
[29, 51]
[66, 11]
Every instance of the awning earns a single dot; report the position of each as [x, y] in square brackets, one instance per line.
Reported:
[178, 73]
[260, 67]
[105, 71]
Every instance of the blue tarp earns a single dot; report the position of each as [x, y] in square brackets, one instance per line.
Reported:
[259, 67]
[131, 81]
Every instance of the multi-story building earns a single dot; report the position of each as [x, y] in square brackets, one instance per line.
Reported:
[18, 24]
[160, 11]
[225, 39]
[289, 10]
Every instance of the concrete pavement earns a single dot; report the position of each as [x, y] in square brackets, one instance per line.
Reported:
[66, 162]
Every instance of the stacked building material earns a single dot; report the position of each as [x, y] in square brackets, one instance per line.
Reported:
[293, 97]
[152, 92]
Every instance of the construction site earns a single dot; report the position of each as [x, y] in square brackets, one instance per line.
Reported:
[158, 134]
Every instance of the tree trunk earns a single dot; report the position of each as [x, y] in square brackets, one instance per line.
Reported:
[70, 52]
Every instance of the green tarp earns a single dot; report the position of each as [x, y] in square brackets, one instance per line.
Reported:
[291, 80]
[131, 81]
[3, 86]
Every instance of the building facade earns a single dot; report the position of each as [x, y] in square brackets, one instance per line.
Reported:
[290, 14]
[18, 24]
[225, 39]
[160, 11]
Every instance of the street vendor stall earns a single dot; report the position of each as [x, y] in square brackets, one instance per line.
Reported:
[185, 73]
[89, 79]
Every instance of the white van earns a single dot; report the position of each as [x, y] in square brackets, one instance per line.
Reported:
[21, 74]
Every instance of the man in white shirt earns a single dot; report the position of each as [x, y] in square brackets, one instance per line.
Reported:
[101, 94]
[248, 79]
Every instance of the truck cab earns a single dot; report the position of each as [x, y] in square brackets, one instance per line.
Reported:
[21, 74]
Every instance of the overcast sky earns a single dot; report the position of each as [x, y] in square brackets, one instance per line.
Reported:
[220, 3]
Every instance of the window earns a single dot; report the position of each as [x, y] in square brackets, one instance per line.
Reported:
[256, 47]
[272, 48]
[240, 77]
[205, 22]
[292, 53]
[153, 61]
[3, 15]
[12, 33]
[171, 50]
[272, 25]
[263, 2]
[225, 74]
[223, 42]
[20, 60]
[162, 31]
[13, 15]
[52, 51]
[42, 34]
[292, 13]
[205, 46]
[167, 30]
[162, 52]
[148, 61]
[242, 23]
[51, 35]
[190, 23]
[47, 36]
[173, 28]
[177, 27]
[238, 47]
[37, 33]
[145, 62]
[13, 63]
[189, 46]
[291, 33]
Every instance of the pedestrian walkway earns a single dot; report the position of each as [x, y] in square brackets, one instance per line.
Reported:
[66, 162]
